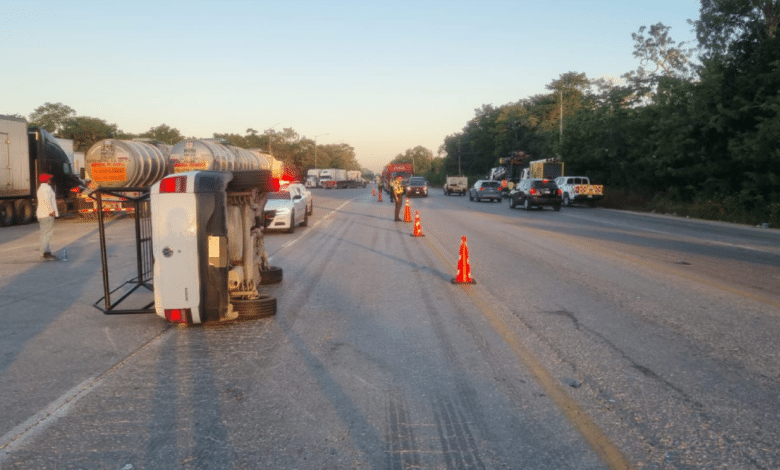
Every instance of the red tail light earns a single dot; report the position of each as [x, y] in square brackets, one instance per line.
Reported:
[532, 191]
[177, 315]
[560, 192]
[174, 184]
[275, 185]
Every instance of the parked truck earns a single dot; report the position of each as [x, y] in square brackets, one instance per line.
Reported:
[355, 179]
[25, 153]
[456, 185]
[549, 168]
[333, 178]
[313, 178]
[578, 190]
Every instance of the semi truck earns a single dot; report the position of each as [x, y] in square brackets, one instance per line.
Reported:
[333, 178]
[25, 153]
[355, 179]
[313, 178]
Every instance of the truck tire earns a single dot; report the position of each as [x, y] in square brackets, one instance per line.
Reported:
[526, 204]
[566, 200]
[512, 204]
[264, 306]
[6, 213]
[272, 275]
[23, 210]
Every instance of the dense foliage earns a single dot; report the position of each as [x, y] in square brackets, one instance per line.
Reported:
[701, 139]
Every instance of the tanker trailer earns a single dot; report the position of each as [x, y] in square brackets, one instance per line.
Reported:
[207, 234]
[114, 164]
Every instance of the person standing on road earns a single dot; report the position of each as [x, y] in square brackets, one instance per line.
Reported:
[46, 212]
[398, 193]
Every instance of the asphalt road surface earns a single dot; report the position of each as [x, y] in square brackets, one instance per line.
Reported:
[593, 339]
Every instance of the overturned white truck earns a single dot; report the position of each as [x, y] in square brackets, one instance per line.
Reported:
[207, 215]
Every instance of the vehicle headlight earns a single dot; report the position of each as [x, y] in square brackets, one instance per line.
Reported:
[282, 211]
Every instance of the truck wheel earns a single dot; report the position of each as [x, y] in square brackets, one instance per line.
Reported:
[23, 211]
[272, 275]
[566, 200]
[6, 213]
[264, 306]
[512, 204]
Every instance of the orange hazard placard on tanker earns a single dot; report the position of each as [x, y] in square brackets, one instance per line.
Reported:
[183, 167]
[103, 171]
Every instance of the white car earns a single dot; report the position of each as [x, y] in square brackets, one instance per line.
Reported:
[285, 210]
[298, 188]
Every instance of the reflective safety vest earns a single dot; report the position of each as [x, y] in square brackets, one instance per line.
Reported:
[397, 187]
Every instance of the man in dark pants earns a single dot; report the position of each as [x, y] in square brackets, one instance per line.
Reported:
[398, 193]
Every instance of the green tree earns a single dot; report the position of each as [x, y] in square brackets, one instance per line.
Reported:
[163, 133]
[420, 157]
[85, 131]
[52, 117]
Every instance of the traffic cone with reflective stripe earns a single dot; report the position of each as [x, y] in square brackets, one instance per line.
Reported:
[380, 195]
[373, 191]
[407, 212]
[464, 269]
[417, 226]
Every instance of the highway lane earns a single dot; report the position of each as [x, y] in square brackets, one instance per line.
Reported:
[592, 336]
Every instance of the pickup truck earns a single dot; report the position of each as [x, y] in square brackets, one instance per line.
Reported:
[577, 189]
[456, 184]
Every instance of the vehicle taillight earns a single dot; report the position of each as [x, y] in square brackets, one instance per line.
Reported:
[560, 192]
[532, 191]
[177, 315]
[174, 184]
[275, 185]
[481, 189]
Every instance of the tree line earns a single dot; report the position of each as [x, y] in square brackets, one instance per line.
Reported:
[693, 130]
[298, 153]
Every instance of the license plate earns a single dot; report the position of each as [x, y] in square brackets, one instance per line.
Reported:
[545, 191]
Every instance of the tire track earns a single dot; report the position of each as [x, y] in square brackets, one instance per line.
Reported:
[401, 447]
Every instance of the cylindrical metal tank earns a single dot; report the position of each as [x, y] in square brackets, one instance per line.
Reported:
[276, 166]
[191, 155]
[115, 163]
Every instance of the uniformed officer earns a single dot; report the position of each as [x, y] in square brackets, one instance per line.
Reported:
[398, 193]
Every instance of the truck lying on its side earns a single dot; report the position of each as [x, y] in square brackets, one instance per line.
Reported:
[24, 155]
[456, 184]
[577, 189]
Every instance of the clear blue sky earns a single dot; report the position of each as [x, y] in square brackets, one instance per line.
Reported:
[381, 76]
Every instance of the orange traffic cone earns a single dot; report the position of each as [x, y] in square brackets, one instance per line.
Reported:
[464, 269]
[373, 191]
[407, 212]
[417, 227]
[380, 195]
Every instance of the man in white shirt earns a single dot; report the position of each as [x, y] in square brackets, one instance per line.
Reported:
[46, 212]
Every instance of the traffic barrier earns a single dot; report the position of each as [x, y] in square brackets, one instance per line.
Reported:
[407, 212]
[464, 268]
[417, 226]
